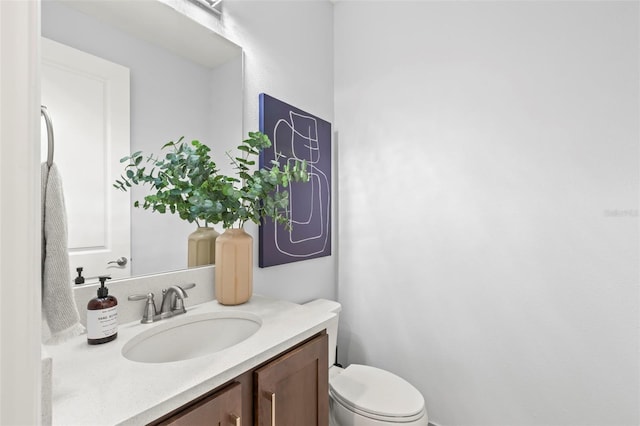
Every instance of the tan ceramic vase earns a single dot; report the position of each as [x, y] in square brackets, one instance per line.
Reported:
[202, 246]
[234, 267]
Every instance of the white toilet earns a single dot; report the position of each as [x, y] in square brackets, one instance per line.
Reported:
[360, 395]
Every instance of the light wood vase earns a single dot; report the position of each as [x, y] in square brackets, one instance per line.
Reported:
[234, 267]
[202, 246]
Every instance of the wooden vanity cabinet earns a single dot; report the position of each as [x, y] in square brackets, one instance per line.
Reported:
[288, 390]
[223, 408]
[292, 390]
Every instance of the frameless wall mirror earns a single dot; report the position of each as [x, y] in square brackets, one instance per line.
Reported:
[184, 80]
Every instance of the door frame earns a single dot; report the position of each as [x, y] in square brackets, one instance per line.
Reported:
[20, 283]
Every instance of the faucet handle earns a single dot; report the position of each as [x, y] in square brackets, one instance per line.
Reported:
[178, 303]
[150, 312]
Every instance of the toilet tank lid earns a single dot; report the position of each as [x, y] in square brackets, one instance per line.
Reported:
[376, 391]
[324, 305]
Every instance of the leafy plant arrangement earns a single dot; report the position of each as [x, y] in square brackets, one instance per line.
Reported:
[187, 182]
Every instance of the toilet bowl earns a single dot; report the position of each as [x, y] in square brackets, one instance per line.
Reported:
[361, 395]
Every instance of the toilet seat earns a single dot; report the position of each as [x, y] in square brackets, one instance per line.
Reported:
[377, 394]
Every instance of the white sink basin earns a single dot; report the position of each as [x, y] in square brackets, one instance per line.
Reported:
[182, 338]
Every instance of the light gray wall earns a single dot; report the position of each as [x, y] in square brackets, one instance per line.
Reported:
[489, 205]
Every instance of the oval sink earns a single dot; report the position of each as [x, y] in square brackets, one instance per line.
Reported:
[179, 339]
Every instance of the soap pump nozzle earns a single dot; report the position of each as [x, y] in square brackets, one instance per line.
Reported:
[79, 279]
[102, 290]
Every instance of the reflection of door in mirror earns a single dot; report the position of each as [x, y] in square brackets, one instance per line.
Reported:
[87, 98]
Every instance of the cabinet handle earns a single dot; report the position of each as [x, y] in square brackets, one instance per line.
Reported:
[236, 420]
[273, 409]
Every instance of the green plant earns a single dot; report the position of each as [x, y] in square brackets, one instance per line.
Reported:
[187, 182]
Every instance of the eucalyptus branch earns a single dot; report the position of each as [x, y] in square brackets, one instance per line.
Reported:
[187, 182]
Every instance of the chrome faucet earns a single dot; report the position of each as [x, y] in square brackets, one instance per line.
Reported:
[172, 303]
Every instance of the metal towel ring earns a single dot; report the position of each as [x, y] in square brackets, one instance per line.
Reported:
[50, 143]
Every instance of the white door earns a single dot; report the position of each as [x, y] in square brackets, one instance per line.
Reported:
[87, 99]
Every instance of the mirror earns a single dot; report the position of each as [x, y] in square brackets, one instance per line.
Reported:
[185, 80]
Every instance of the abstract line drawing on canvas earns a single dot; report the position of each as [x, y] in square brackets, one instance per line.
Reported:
[303, 144]
[297, 135]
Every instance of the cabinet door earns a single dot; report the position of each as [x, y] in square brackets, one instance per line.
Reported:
[293, 390]
[220, 409]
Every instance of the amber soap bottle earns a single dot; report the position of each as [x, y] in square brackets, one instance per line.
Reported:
[102, 316]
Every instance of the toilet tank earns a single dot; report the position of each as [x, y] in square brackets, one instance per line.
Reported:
[331, 306]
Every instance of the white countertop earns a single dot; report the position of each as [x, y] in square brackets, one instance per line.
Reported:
[96, 385]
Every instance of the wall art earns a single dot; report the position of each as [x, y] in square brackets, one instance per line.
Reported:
[296, 134]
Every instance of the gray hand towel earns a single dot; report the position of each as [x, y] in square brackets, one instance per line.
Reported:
[58, 304]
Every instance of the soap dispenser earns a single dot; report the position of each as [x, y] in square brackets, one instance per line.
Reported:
[102, 316]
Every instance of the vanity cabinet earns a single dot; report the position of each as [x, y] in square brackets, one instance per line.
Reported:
[291, 389]
[223, 408]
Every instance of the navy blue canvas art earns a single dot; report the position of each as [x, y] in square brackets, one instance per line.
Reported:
[296, 134]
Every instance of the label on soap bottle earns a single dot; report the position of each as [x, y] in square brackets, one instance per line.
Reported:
[102, 323]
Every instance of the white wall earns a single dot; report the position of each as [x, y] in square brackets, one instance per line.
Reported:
[489, 205]
[288, 48]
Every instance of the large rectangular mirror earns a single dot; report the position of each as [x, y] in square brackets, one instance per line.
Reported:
[185, 80]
